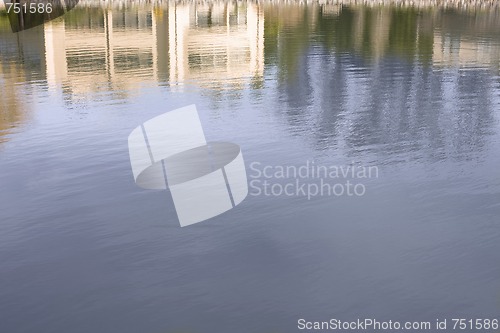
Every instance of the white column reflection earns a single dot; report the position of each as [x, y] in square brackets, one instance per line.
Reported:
[216, 44]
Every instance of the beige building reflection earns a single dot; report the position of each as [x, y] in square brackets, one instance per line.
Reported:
[19, 55]
[220, 42]
[464, 52]
[217, 44]
[13, 107]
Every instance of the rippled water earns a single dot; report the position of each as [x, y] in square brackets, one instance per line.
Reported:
[414, 92]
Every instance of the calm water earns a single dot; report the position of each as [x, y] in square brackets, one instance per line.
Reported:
[415, 92]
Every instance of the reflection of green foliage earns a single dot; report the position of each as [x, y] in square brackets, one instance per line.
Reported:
[4, 21]
[425, 47]
[293, 40]
[87, 17]
[403, 32]
[271, 31]
[337, 32]
[366, 31]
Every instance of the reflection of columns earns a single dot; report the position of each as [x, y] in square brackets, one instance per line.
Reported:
[55, 52]
[162, 47]
[178, 23]
[380, 32]
[223, 52]
[255, 30]
[228, 36]
[12, 105]
[445, 49]
[172, 52]
[110, 56]
[154, 50]
[359, 27]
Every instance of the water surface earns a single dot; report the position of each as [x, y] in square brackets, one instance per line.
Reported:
[413, 91]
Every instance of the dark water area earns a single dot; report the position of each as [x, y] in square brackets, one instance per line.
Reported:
[412, 92]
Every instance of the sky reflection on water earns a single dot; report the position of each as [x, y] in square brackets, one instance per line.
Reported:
[415, 92]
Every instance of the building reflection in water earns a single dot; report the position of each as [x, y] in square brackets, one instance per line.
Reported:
[22, 59]
[213, 45]
[360, 76]
[221, 44]
[396, 83]
[13, 106]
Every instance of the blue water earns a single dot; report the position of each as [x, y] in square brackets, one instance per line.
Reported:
[83, 249]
